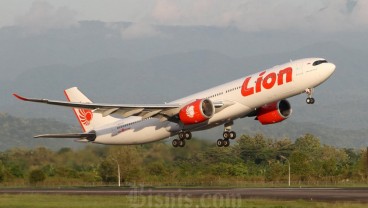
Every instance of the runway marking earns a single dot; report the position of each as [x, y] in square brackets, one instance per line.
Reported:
[318, 194]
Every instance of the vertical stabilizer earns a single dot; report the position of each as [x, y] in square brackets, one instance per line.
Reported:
[87, 118]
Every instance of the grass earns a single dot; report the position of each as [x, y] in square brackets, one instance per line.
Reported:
[84, 201]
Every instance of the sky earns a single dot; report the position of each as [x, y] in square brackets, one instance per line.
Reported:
[247, 15]
[310, 17]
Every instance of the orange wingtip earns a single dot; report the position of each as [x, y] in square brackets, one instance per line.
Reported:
[20, 97]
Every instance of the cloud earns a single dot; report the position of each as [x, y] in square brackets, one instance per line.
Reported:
[360, 13]
[42, 16]
[194, 12]
[166, 11]
[256, 15]
[140, 30]
[247, 15]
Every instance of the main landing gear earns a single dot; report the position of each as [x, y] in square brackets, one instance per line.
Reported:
[227, 135]
[187, 135]
[310, 99]
[183, 135]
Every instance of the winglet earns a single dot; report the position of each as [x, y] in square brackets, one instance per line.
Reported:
[20, 97]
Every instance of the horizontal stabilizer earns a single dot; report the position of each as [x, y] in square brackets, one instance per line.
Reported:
[88, 136]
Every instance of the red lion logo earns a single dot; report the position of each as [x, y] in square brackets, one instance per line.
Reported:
[85, 116]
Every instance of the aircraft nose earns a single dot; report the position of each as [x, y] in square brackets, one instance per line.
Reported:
[330, 68]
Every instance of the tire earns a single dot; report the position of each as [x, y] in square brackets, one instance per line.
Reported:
[220, 142]
[181, 143]
[181, 135]
[226, 143]
[175, 143]
[308, 100]
[226, 135]
[188, 135]
[232, 135]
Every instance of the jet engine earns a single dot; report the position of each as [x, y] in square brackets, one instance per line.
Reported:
[197, 112]
[274, 112]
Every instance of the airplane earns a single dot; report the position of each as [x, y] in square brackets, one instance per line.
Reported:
[261, 95]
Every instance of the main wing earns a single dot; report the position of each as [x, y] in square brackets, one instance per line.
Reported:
[161, 111]
[125, 110]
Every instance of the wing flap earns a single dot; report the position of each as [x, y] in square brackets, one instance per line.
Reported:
[151, 114]
[109, 111]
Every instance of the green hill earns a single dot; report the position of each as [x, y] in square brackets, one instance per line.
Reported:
[19, 132]
[337, 137]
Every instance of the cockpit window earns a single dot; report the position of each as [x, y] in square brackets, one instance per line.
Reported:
[319, 62]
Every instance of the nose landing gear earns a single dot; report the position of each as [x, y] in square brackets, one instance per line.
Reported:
[310, 99]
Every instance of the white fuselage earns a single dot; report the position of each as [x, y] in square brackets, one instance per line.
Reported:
[246, 94]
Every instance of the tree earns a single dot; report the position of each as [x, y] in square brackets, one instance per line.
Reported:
[275, 171]
[354, 158]
[36, 176]
[261, 150]
[17, 162]
[334, 162]
[107, 171]
[308, 144]
[130, 159]
[227, 169]
[39, 156]
[301, 165]
[2, 172]
[157, 168]
[257, 149]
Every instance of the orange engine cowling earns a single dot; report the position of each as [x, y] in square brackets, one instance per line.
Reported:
[196, 112]
[274, 112]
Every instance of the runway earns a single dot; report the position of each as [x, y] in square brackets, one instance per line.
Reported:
[310, 194]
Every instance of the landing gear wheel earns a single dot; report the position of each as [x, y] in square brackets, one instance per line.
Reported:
[223, 142]
[220, 142]
[232, 135]
[181, 143]
[226, 142]
[229, 135]
[188, 135]
[181, 135]
[185, 135]
[175, 142]
[226, 135]
[310, 100]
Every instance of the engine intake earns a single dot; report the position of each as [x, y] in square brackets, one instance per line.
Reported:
[274, 112]
[197, 112]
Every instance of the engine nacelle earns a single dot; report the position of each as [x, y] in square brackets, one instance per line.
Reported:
[197, 112]
[274, 112]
